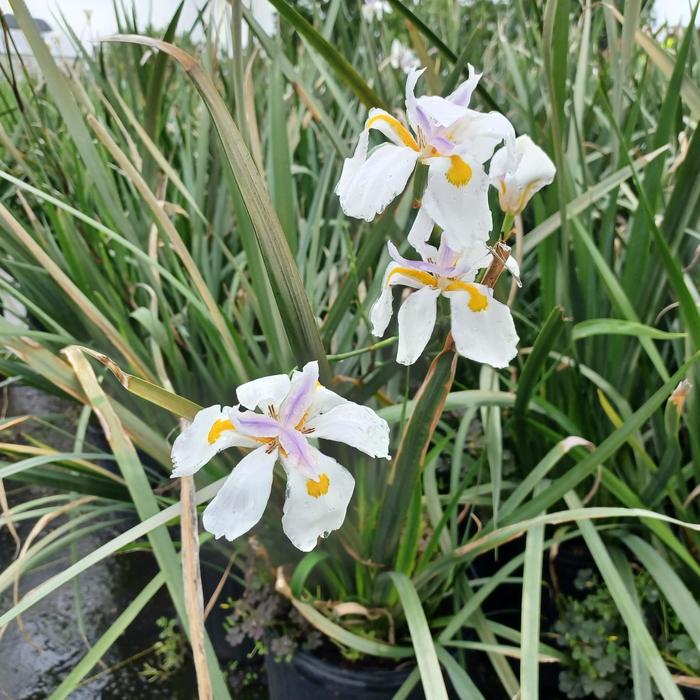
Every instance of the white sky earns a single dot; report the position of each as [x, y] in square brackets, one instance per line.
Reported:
[673, 11]
[92, 19]
[101, 13]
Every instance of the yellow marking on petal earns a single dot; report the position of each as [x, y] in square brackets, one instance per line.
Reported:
[526, 195]
[315, 489]
[505, 198]
[680, 394]
[459, 173]
[478, 301]
[426, 278]
[220, 426]
[300, 424]
[401, 131]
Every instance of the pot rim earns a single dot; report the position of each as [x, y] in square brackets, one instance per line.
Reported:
[319, 668]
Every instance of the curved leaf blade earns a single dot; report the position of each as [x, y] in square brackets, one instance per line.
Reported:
[426, 654]
[295, 310]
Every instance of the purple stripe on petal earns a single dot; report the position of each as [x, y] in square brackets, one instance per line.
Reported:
[405, 262]
[446, 258]
[299, 452]
[424, 123]
[442, 143]
[300, 395]
[254, 424]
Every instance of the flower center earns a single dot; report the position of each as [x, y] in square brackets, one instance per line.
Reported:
[272, 443]
[319, 488]
[220, 426]
[459, 173]
[478, 301]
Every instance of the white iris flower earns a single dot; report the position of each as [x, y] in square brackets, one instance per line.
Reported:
[375, 9]
[452, 139]
[403, 57]
[518, 172]
[293, 412]
[482, 327]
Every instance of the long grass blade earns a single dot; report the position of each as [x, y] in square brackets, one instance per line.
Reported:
[103, 644]
[143, 498]
[530, 614]
[648, 651]
[291, 298]
[73, 292]
[426, 654]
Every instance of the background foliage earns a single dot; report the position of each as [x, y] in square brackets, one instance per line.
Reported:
[137, 224]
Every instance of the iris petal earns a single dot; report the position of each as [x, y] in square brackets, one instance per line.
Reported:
[241, 501]
[308, 516]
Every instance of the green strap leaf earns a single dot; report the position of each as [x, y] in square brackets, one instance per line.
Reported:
[605, 450]
[115, 630]
[530, 613]
[426, 654]
[295, 310]
[461, 681]
[617, 326]
[621, 301]
[156, 90]
[408, 462]
[630, 499]
[303, 569]
[144, 500]
[544, 343]
[170, 401]
[495, 538]
[350, 639]
[644, 643]
[641, 680]
[677, 594]
[334, 58]
[456, 400]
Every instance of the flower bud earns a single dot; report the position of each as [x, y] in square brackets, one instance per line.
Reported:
[518, 171]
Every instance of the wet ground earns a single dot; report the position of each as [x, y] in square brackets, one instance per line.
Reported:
[56, 633]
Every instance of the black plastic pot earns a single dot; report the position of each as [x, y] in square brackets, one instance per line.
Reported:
[308, 677]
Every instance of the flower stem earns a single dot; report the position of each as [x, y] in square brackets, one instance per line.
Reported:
[501, 252]
[361, 351]
[192, 584]
[506, 226]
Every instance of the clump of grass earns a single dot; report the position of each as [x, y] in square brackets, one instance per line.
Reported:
[138, 223]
